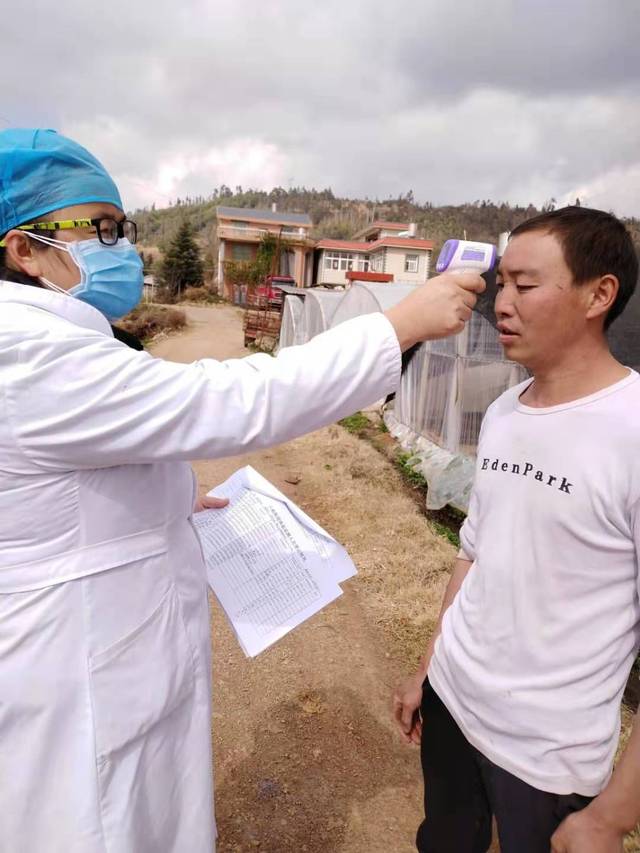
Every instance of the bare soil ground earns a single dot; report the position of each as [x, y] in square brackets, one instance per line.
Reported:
[212, 333]
[306, 756]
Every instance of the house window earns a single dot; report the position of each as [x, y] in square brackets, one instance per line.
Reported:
[338, 261]
[377, 263]
[241, 252]
[362, 263]
[411, 263]
[331, 260]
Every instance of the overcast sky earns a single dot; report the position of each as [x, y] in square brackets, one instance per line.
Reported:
[514, 100]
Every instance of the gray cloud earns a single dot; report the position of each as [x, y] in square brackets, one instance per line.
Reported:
[508, 99]
[533, 48]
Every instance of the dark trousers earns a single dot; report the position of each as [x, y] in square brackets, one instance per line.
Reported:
[464, 790]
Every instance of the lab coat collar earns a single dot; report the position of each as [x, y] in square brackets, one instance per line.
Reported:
[67, 307]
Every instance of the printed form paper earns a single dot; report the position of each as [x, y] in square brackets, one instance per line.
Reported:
[269, 564]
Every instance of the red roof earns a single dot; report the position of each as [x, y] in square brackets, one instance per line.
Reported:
[404, 243]
[380, 223]
[344, 245]
[392, 242]
[369, 276]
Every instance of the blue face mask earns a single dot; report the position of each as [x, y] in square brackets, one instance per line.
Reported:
[111, 277]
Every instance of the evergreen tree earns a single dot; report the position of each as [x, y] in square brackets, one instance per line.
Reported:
[147, 262]
[182, 265]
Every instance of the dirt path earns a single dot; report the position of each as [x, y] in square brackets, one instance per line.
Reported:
[212, 333]
[306, 758]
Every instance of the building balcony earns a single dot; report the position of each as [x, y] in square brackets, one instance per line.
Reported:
[255, 235]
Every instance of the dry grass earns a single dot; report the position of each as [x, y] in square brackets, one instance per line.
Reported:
[147, 321]
[201, 295]
[401, 561]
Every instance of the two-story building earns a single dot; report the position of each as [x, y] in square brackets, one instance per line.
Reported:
[390, 249]
[241, 229]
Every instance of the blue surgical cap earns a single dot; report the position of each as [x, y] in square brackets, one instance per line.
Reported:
[41, 171]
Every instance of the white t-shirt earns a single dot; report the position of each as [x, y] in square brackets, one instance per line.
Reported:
[536, 647]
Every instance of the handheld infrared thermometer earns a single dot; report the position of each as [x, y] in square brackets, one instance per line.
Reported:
[466, 256]
[461, 256]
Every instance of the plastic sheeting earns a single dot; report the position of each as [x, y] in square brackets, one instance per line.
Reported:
[624, 333]
[444, 397]
[449, 475]
[319, 309]
[291, 326]
[369, 298]
[446, 388]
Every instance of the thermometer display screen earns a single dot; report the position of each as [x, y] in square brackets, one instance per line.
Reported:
[472, 255]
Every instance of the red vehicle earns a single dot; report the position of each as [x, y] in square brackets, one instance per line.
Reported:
[266, 290]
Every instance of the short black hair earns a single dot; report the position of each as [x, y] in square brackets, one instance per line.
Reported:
[594, 244]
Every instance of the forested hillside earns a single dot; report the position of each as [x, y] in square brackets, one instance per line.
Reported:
[339, 217]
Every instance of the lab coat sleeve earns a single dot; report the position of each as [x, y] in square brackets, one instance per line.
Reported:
[82, 400]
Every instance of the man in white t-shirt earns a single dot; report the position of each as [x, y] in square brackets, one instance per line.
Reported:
[517, 700]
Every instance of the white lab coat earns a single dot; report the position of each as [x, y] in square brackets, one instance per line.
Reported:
[105, 707]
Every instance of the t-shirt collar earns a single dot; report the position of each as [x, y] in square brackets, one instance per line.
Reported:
[632, 376]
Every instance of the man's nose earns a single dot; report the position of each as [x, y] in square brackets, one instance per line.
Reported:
[503, 305]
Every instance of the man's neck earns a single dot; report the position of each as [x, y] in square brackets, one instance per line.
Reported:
[580, 372]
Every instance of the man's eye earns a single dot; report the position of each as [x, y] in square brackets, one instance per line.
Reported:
[521, 288]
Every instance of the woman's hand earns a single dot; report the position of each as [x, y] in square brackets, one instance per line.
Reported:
[206, 502]
[439, 308]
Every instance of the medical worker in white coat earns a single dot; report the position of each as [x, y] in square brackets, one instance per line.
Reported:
[105, 707]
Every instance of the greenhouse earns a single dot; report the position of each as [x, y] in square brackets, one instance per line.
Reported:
[319, 309]
[446, 388]
[369, 298]
[291, 326]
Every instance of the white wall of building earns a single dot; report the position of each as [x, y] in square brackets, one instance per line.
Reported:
[396, 264]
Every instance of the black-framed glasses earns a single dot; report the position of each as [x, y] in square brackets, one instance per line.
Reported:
[111, 230]
[108, 230]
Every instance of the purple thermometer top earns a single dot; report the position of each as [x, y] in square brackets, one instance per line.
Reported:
[446, 254]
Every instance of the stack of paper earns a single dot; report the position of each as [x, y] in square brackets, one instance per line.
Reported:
[269, 564]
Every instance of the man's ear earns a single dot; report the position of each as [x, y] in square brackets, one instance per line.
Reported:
[20, 254]
[603, 292]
